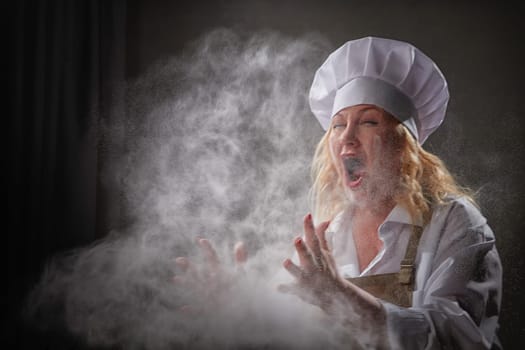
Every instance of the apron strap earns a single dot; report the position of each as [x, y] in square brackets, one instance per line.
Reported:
[407, 269]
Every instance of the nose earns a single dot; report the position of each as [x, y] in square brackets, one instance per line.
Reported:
[349, 135]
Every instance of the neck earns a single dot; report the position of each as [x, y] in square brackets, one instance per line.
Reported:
[373, 212]
[365, 231]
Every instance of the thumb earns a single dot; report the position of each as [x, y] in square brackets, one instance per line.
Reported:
[240, 253]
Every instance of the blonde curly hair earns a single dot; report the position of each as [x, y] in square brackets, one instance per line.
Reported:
[424, 180]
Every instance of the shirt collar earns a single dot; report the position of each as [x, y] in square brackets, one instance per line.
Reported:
[401, 215]
[398, 214]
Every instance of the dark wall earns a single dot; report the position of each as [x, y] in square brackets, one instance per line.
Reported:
[67, 59]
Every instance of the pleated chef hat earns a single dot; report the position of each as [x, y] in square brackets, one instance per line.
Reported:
[390, 74]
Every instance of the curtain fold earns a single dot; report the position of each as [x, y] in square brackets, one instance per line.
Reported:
[66, 65]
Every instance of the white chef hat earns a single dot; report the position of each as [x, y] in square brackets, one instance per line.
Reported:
[390, 74]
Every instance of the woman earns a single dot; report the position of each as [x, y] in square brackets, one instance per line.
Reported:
[396, 228]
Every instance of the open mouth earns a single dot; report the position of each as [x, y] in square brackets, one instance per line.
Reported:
[353, 167]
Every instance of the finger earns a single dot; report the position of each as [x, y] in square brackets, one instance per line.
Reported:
[322, 227]
[209, 252]
[186, 266]
[321, 235]
[177, 280]
[190, 273]
[309, 235]
[240, 253]
[182, 263]
[293, 269]
[305, 257]
[330, 263]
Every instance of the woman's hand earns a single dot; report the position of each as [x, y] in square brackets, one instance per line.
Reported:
[318, 281]
[316, 276]
[207, 282]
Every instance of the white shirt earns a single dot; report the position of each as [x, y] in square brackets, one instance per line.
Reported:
[457, 295]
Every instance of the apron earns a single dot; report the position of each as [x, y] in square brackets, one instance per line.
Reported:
[395, 288]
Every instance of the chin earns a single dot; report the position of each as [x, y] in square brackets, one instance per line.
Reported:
[354, 196]
[366, 195]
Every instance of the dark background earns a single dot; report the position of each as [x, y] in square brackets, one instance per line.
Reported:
[68, 61]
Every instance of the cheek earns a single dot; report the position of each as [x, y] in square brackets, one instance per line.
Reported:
[376, 146]
[390, 145]
[385, 154]
[383, 142]
[379, 150]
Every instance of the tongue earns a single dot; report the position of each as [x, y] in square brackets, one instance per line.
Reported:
[352, 166]
[355, 181]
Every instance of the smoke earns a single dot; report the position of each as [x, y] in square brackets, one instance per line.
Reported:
[218, 143]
